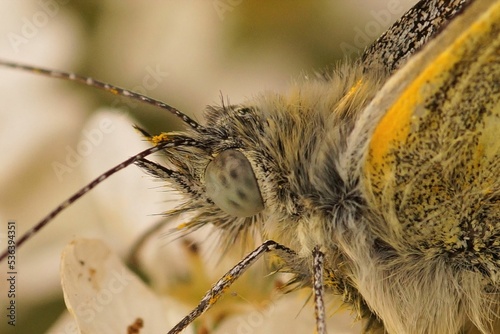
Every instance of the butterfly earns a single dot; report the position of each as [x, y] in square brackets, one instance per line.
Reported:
[377, 183]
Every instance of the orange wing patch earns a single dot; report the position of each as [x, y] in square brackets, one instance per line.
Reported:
[433, 161]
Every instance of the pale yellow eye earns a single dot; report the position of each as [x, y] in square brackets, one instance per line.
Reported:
[231, 184]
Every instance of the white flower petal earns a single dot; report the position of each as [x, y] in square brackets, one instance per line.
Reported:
[105, 297]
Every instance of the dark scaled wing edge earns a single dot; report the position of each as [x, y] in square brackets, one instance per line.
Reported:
[413, 30]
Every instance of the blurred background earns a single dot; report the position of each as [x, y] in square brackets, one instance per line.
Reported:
[187, 54]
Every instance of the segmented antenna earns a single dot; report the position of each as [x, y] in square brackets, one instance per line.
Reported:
[103, 86]
[171, 142]
[167, 143]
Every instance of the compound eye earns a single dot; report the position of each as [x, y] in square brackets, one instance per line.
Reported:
[231, 184]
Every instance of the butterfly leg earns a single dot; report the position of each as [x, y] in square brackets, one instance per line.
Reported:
[229, 278]
[319, 290]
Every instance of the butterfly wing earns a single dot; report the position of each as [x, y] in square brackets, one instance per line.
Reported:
[411, 32]
[428, 152]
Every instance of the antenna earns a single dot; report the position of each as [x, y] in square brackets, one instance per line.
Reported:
[103, 86]
[171, 141]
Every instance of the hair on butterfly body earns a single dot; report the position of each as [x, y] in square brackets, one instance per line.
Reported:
[382, 189]
[261, 137]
